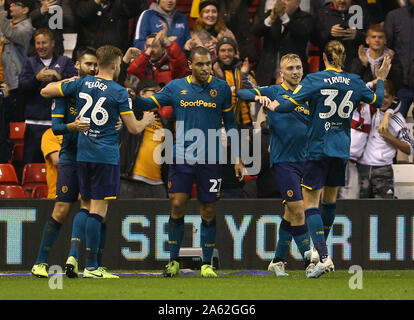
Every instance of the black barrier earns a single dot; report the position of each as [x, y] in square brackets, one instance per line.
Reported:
[375, 234]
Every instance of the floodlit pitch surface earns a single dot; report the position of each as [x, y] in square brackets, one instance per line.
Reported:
[376, 285]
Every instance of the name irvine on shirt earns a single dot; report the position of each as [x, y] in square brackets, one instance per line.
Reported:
[337, 79]
[96, 84]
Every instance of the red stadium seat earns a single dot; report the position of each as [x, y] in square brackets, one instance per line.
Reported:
[8, 174]
[194, 191]
[11, 192]
[17, 155]
[17, 131]
[40, 191]
[33, 174]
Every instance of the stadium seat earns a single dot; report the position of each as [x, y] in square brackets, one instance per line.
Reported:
[17, 155]
[33, 174]
[403, 181]
[17, 132]
[8, 174]
[194, 191]
[40, 191]
[69, 43]
[11, 192]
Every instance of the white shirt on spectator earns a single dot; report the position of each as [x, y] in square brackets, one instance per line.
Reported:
[378, 152]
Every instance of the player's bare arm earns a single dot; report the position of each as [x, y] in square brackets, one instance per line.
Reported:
[52, 90]
[133, 125]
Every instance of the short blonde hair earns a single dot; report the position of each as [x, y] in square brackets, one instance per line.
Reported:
[289, 57]
[335, 52]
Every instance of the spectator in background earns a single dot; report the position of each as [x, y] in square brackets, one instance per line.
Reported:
[150, 22]
[105, 22]
[37, 72]
[372, 57]
[238, 76]
[51, 146]
[375, 166]
[163, 60]
[44, 12]
[235, 14]
[208, 28]
[141, 176]
[400, 38]
[5, 145]
[15, 39]
[335, 22]
[285, 28]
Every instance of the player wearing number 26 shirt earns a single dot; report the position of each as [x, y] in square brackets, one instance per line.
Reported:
[332, 96]
[100, 101]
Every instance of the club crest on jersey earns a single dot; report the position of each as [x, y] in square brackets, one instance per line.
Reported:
[213, 93]
[65, 189]
[73, 110]
[289, 193]
[184, 91]
[169, 184]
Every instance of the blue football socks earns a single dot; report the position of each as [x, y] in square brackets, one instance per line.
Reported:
[50, 234]
[102, 242]
[283, 242]
[175, 236]
[78, 232]
[316, 231]
[208, 239]
[301, 236]
[93, 233]
[328, 214]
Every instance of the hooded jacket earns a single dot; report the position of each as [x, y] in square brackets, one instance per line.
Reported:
[149, 22]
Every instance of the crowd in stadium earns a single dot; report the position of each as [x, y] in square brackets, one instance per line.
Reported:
[246, 39]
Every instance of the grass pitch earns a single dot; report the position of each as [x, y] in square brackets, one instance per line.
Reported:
[376, 285]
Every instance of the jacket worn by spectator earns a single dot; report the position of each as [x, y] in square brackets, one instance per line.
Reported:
[37, 107]
[329, 16]
[235, 14]
[172, 65]
[367, 72]
[149, 22]
[236, 79]
[15, 42]
[105, 24]
[281, 37]
[399, 28]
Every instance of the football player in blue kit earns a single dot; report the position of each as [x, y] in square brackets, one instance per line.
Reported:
[65, 122]
[288, 147]
[332, 96]
[201, 102]
[100, 101]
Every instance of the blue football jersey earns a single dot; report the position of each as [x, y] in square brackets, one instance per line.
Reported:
[64, 112]
[99, 101]
[288, 142]
[333, 95]
[198, 110]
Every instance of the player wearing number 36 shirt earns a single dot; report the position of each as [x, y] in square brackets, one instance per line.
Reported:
[332, 96]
